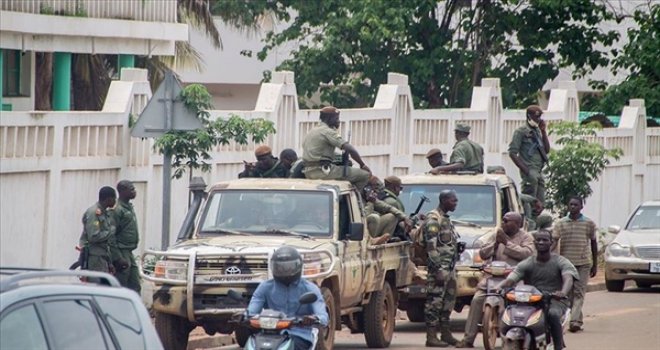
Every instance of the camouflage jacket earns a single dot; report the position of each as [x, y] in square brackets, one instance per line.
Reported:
[440, 240]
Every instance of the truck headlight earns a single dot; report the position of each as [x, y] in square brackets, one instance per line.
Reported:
[315, 263]
[468, 258]
[170, 269]
[616, 249]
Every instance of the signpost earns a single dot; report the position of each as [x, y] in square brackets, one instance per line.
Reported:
[165, 112]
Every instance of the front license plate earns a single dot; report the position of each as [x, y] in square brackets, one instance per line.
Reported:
[655, 267]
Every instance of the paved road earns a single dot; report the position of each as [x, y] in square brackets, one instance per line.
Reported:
[628, 320]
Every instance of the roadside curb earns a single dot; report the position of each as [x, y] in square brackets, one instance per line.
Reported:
[595, 287]
[206, 342]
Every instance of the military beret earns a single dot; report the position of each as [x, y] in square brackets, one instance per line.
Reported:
[462, 128]
[262, 150]
[329, 110]
[432, 152]
[534, 111]
[394, 180]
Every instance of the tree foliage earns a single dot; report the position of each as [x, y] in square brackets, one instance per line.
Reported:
[576, 163]
[445, 47]
[191, 149]
[639, 57]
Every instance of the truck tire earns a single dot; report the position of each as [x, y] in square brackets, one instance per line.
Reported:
[415, 311]
[173, 331]
[327, 334]
[490, 327]
[379, 318]
[242, 334]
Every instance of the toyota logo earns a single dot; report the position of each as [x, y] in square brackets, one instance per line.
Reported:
[233, 270]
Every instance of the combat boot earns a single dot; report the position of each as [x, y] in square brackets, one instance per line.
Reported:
[445, 333]
[432, 340]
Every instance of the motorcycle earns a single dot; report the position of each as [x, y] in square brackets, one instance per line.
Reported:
[493, 307]
[523, 325]
[268, 326]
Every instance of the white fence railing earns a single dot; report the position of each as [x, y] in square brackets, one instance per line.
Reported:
[138, 10]
[52, 164]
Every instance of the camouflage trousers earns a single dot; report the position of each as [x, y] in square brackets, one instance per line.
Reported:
[440, 297]
[128, 277]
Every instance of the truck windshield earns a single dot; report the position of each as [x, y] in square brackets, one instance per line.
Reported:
[476, 203]
[268, 212]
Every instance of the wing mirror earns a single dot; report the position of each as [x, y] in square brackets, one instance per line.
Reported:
[614, 229]
[356, 231]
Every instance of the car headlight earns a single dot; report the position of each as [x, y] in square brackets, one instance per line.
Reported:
[616, 249]
[170, 269]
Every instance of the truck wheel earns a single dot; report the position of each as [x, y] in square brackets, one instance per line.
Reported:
[415, 311]
[173, 331]
[242, 334]
[614, 285]
[490, 327]
[379, 318]
[327, 334]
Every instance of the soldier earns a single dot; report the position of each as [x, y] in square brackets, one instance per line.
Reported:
[126, 238]
[382, 218]
[288, 158]
[392, 190]
[266, 165]
[529, 151]
[537, 219]
[442, 248]
[434, 157]
[319, 152]
[98, 228]
[467, 154]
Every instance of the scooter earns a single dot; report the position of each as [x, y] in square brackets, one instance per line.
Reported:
[268, 326]
[494, 304]
[523, 324]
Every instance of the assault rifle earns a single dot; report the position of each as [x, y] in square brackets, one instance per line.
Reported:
[344, 158]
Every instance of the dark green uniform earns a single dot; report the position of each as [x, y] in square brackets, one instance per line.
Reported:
[528, 144]
[277, 170]
[125, 240]
[440, 239]
[470, 153]
[319, 154]
[98, 230]
[393, 200]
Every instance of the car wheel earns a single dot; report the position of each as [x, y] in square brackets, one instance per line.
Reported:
[173, 330]
[614, 285]
[642, 284]
[379, 318]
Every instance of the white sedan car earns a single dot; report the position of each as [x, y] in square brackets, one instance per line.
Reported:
[635, 252]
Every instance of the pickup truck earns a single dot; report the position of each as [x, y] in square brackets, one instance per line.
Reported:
[482, 201]
[226, 241]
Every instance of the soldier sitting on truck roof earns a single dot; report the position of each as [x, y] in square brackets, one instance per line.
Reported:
[434, 157]
[467, 154]
[266, 165]
[382, 218]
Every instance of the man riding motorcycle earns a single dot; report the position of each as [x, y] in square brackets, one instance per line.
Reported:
[510, 244]
[549, 273]
[282, 293]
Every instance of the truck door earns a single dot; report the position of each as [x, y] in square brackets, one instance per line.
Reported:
[350, 253]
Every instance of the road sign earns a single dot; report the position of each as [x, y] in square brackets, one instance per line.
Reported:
[165, 111]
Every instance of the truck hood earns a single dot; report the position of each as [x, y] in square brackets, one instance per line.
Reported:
[470, 234]
[243, 244]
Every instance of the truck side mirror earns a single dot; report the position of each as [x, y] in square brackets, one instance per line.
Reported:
[356, 231]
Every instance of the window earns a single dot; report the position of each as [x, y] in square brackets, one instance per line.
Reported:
[73, 325]
[15, 73]
[122, 317]
[21, 329]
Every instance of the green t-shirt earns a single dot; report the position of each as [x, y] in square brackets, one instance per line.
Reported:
[320, 143]
[545, 276]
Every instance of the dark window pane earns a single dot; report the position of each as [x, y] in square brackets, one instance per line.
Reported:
[74, 325]
[124, 322]
[21, 329]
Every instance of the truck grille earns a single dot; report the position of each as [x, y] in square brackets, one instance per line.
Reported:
[231, 266]
[651, 252]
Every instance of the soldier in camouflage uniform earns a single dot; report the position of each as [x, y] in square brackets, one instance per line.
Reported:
[126, 238]
[467, 154]
[98, 229]
[442, 247]
[382, 217]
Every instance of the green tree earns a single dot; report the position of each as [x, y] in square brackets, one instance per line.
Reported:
[445, 47]
[639, 58]
[575, 164]
[190, 149]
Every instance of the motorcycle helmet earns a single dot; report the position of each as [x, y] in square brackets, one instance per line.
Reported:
[287, 265]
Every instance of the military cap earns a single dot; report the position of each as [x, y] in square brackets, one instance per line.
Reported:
[394, 180]
[544, 221]
[462, 128]
[329, 110]
[262, 150]
[534, 111]
[432, 152]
